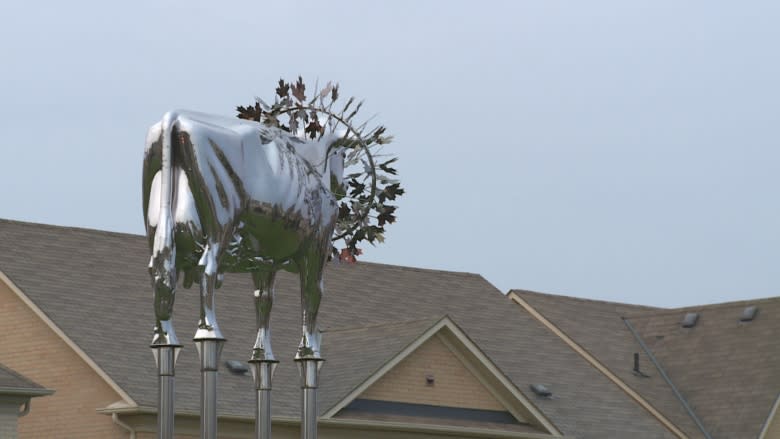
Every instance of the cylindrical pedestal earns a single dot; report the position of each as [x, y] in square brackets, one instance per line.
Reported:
[209, 351]
[165, 357]
[263, 373]
[310, 374]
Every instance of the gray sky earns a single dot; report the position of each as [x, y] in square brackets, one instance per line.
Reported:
[608, 149]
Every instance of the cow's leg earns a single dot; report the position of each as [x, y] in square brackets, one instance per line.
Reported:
[164, 285]
[163, 271]
[262, 361]
[209, 341]
[164, 334]
[208, 328]
[311, 266]
[162, 265]
[308, 357]
[264, 298]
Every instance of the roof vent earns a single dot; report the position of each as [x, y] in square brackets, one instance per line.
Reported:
[749, 313]
[541, 390]
[636, 370]
[237, 367]
[690, 319]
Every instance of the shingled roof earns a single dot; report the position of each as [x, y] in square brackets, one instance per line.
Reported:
[95, 287]
[14, 383]
[724, 369]
[727, 370]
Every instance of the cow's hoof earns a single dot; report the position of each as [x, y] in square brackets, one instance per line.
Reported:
[307, 353]
[164, 338]
[260, 354]
[208, 332]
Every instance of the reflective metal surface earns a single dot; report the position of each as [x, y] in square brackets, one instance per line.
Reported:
[263, 372]
[165, 358]
[309, 370]
[224, 195]
[209, 351]
[229, 195]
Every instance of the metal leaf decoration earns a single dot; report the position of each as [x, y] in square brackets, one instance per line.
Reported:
[371, 184]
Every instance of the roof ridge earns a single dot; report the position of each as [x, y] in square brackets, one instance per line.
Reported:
[521, 292]
[729, 304]
[73, 228]
[423, 269]
[701, 308]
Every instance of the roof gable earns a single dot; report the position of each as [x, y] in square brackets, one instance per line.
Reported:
[6, 281]
[444, 336]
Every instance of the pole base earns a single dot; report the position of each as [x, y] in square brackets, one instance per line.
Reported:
[165, 357]
[209, 351]
[309, 369]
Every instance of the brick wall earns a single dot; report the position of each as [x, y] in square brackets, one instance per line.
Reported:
[30, 347]
[454, 385]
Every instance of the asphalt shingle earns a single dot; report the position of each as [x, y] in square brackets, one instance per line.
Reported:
[95, 286]
[725, 369]
[598, 327]
[13, 380]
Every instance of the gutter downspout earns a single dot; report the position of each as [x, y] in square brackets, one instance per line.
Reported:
[115, 418]
[26, 409]
[667, 379]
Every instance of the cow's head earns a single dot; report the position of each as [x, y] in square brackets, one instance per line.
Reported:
[335, 166]
[326, 155]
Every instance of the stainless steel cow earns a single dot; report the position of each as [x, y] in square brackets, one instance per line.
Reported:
[229, 195]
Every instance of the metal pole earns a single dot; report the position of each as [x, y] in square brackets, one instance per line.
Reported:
[263, 373]
[209, 351]
[165, 357]
[309, 369]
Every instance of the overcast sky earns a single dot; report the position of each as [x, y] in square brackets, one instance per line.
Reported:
[619, 150]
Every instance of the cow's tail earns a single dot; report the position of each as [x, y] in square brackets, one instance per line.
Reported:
[163, 262]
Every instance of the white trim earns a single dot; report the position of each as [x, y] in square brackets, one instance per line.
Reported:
[770, 418]
[431, 429]
[70, 343]
[598, 366]
[144, 420]
[537, 417]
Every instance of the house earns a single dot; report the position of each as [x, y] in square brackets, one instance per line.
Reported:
[16, 390]
[410, 353]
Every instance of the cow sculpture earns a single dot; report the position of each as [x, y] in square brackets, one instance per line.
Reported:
[229, 195]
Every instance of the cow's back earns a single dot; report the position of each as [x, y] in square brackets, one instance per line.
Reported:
[266, 197]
